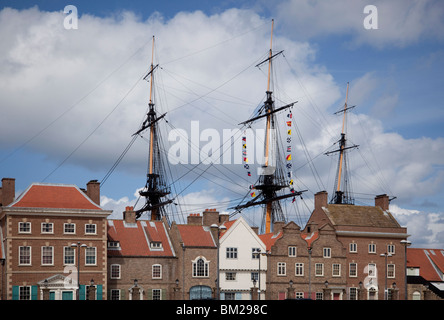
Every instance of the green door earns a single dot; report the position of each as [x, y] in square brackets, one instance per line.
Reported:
[51, 295]
[66, 295]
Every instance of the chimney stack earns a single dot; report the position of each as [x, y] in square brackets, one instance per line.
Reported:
[129, 215]
[382, 201]
[277, 226]
[210, 216]
[321, 200]
[7, 191]
[93, 191]
[194, 219]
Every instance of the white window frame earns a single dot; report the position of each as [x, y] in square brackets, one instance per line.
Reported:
[88, 251]
[326, 252]
[89, 225]
[65, 256]
[115, 267]
[20, 255]
[68, 232]
[372, 248]
[51, 224]
[292, 251]
[231, 253]
[353, 247]
[317, 265]
[160, 271]
[24, 223]
[338, 274]
[281, 269]
[354, 269]
[299, 269]
[391, 249]
[389, 266]
[206, 268]
[52, 255]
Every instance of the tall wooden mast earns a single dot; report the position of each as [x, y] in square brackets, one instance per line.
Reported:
[155, 188]
[342, 192]
[271, 179]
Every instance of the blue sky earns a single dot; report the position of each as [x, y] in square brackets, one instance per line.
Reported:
[395, 74]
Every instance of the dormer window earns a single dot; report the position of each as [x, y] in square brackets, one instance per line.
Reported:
[156, 245]
[113, 244]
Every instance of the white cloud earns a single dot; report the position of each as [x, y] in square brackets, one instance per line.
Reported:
[426, 229]
[400, 22]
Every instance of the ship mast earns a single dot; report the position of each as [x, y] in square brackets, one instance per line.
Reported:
[271, 178]
[155, 188]
[342, 195]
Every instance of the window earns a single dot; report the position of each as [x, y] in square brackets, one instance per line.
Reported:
[156, 245]
[391, 249]
[200, 268]
[69, 228]
[25, 293]
[47, 255]
[115, 294]
[230, 276]
[231, 253]
[157, 294]
[47, 227]
[90, 228]
[68, 255]
[372, 248]
[292, 251]
[353, 247]
[298, 269]
[157, 271]
[25, 256]
[115, 272]
[390, 271]
[281, 269]
[336, 270]
[90, 256]
[327, 252]
[319, 269]
[24, 227]
[319, 296]
[255, 276]
[113, 244]
[353, 294]
[299, 295]
[353, 270]
[255, 253]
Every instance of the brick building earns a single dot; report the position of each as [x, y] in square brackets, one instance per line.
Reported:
[142, 264]
[195, 245]
[306, 265]
[372, 238]
[49, 233]
[425, 274]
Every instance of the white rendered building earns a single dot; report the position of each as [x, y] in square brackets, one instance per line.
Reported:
[239, 259]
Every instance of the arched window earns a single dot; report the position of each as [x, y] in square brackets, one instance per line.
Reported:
[200, 267]
[416, 295]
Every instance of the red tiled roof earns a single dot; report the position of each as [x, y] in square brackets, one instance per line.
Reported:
[54, 196]
[228, 225]
[269, 239]
[428, 261]
[134, 238]
[196, 236]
